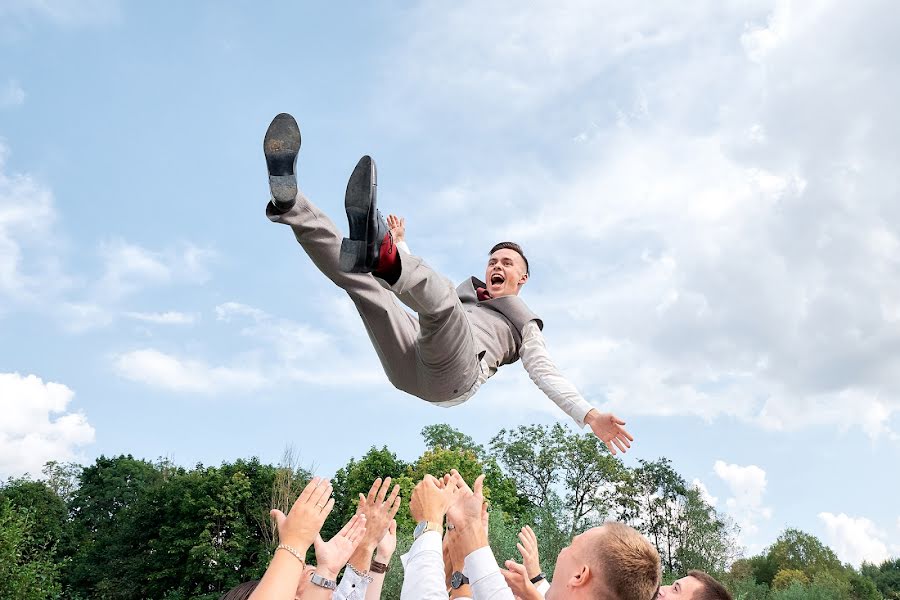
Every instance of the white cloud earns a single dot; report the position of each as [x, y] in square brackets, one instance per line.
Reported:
[855, 539]
[747, 486]
[11, 94]
[36, 426]
[164, 318]
[704, 493]
[20, 16]
[739, 256]
[157, 369]
[129, 267]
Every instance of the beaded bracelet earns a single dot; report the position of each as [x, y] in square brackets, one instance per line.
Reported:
[292, 551]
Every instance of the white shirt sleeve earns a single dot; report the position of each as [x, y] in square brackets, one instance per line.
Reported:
[546, 376]
[352, 586]
[402, 245]
[485, 577]
[542, 586]
[423, 568]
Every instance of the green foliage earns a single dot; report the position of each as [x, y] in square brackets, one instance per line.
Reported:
[47, 512]
[27, 571]
[444, 436]
[886, 577]
[785, 578]
[801, 551]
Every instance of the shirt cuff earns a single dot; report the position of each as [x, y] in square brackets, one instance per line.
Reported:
[430, 541]
[350, 583]
[480, 564]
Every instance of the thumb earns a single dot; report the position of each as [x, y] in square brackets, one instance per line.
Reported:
[393, 527]
[278, 517]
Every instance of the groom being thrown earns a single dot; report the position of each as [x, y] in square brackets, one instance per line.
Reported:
[460, 336]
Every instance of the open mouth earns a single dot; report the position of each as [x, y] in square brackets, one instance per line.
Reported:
[497, 279]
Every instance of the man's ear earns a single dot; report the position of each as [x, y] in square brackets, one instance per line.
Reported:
[581, 578]
[523, 280]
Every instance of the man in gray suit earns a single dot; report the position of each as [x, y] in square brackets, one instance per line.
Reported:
[461, 336]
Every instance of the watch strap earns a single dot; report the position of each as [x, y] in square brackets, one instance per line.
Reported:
[538, 577]
[328, 584]
[378, 567]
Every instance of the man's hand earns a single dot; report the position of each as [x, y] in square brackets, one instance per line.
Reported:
[388, 544]
[528, 548]
[608, 428]
[465, 518]
[518, 581]
[332, 555]
[431, 499]
[304, 521]
[397, 225]
[378, 511]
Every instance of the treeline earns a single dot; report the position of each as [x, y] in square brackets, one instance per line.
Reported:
[130, 528]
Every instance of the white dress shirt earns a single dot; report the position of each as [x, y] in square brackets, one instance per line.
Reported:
[541, 369]
[352, 586]
[485, 577]
[423, 568]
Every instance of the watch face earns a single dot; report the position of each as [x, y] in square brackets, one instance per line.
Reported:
[420, 529]
[456, 580]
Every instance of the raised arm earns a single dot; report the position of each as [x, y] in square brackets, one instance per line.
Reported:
[544, 373]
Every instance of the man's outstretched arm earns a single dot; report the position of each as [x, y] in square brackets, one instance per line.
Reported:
[546, 376]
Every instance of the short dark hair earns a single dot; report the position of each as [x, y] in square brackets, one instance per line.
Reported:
[241, 592]
[511, 246]
[712, 589]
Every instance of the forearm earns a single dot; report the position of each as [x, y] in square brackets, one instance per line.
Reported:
[374, 590]
[544, 373]
[362, 557]
[281, 579]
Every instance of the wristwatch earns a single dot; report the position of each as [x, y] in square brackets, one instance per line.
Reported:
[424, 526]
[538, 577]
[328, 584]
[457, 580]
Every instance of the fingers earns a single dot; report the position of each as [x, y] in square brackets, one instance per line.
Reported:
[350, 524]
[322, 492]
[395, 493]
[523, 551]
[278, 516]
[628, 435]
[309, 489]
[516, 568]
[396, 505]
[610, 447]
[392, 528]
[385, 486]
[326, 510]
[531, 534]
[357, 528]
[479, 485]
[373, 491]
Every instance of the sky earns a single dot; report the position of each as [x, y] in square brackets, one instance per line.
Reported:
[707, 191]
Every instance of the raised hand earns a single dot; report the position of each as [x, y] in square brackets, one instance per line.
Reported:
[379, 512]
[388, 544]
[528, 548]
[431, 498]
[333, 554]
[608, 428]
[517, 579]
[397, 225]
[304, 521]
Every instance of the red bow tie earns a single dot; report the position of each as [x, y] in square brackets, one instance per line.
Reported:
[483, 294]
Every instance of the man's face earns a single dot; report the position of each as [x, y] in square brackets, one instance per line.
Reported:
[683, 589]
[505, 273]
[571, 561]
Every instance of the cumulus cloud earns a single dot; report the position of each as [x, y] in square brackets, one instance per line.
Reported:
[704, 493]
[747, 485]
[129, 267]
[855, 539]
[729, 229]
[37, 426]
[158, 369]
[164, 318]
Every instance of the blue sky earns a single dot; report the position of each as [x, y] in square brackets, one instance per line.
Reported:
[707, 193]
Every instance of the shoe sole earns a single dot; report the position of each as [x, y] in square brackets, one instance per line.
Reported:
[359, 202]
[281, 146]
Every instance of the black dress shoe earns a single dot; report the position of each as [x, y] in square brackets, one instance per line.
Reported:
[359, 252]
[281, 146]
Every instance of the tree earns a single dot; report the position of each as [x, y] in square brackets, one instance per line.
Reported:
[785, 578]
[24, 573]
[886, 577]
[801, 551]
[444, 436]
[47, 512]
[531, 456]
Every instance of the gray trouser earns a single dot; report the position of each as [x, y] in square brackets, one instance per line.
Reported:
[433, 357]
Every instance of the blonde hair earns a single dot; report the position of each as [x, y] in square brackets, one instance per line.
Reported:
[629, 563]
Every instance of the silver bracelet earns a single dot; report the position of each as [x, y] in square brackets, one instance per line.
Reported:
[364, 576]
[292, 551]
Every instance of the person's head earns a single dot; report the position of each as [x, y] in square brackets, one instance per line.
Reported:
[241, 592]
[507, 270]
[613, 562]
[696, 586]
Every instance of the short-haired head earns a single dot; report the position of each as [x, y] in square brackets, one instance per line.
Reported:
[507, 270]
[515, 248]
[241, 592]
[629, 564]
